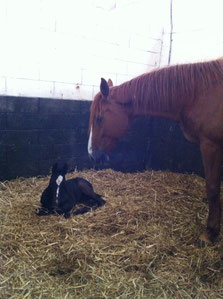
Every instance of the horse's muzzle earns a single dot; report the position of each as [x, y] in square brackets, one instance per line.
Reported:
[99, 156]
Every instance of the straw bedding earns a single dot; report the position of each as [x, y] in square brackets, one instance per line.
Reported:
[141, 244]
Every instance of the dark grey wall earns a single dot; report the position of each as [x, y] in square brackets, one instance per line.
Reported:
[36, 132]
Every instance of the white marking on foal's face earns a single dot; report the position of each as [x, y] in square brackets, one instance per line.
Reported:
[90, 143]
[58, 181]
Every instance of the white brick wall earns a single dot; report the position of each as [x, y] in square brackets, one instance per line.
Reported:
[61, 48]
[198, 30]
[26, 87]
[2, 85]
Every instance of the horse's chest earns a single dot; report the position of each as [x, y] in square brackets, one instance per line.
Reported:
[190, 125]
[189, 134]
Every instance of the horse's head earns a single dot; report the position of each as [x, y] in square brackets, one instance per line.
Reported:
[109, 120]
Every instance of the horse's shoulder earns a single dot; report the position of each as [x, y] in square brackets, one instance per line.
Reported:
[70, 185]
[69, 182]
[77, 180]
[78, 184]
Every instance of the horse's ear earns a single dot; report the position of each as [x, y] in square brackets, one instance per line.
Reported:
[110, 83]
[104, 87]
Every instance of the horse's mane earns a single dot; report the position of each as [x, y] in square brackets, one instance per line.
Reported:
[167, 89]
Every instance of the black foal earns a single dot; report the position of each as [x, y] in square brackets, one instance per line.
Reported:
[61, 196]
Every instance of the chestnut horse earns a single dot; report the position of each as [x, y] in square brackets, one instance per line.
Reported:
[192, 95]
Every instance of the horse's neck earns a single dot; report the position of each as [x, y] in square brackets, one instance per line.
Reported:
[155, 113]
[143, 105]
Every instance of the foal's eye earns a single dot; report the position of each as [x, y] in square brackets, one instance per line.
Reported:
[99, 120]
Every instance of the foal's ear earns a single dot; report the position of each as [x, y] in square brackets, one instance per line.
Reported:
[65, 168]
[54, 168]
[104, 87]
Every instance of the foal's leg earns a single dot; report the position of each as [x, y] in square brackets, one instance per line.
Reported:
[82, 211]
[212, 159]
[89, 194]
[91, 199]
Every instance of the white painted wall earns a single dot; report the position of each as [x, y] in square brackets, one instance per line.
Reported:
[61, 48]
[198, 30]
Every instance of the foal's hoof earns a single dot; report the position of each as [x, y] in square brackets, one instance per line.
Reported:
[42, 212]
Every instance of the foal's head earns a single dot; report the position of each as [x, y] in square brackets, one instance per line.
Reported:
[109, 120]
[59, 171]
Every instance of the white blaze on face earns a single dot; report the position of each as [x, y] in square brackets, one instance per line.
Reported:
[58, 181]
[90, 143]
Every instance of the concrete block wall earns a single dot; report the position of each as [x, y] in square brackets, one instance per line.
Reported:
[37, 132]
[53, 51]
[197, 31]
[61, 48]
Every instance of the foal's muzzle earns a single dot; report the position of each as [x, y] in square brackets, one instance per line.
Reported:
[99, 156]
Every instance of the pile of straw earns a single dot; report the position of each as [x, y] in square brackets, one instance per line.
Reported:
[141, 244]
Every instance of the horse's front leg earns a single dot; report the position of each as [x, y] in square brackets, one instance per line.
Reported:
[212, 159]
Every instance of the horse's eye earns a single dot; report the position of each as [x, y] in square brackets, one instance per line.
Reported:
[99, 120]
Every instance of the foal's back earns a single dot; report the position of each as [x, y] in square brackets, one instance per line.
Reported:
[81, 189]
